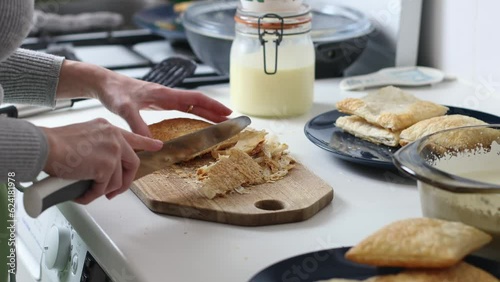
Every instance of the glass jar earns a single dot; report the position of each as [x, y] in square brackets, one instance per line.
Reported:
[272, 63]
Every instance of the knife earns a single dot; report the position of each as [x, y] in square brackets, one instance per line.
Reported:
[23, 111]
[53, 190]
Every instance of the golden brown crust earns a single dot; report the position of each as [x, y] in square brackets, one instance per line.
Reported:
[419, 243]
[391, 108]
[429, 126]
[455, 141]
[246, 159]
[349, 105]
[172, 128]
[462, 272]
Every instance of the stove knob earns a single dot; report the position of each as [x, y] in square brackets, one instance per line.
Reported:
[57, 247]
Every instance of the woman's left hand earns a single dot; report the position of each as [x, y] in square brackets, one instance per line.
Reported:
[125, 96]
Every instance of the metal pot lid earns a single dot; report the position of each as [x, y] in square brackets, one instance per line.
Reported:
[330, 23]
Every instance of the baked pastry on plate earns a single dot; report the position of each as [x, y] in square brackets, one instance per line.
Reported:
[462, 272]
[367, 131]
[435, 124]
[391, 108]
[419, 243]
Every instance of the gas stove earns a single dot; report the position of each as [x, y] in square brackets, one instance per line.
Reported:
[131, 52]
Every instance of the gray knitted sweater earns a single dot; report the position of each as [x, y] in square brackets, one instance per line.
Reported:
[25, 77]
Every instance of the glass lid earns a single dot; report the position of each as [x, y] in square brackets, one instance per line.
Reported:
[330, 22]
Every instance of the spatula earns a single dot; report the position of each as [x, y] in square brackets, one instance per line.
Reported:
[171, 71]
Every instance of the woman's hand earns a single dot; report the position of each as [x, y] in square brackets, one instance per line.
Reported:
[125, 96]
[96, 150]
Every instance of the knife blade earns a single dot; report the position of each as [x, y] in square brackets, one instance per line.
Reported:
[53, 190]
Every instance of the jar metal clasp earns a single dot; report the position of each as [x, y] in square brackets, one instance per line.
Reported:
[278, 33]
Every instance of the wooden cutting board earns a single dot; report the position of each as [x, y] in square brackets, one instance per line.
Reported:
[174, 191]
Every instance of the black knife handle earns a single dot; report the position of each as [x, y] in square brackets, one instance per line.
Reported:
[52, 191]
[9, 111]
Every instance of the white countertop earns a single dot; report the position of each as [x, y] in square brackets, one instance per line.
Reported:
[150, 247]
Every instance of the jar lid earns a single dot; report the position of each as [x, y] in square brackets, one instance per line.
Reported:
[271, 6]
[330, 22]
[291, 17]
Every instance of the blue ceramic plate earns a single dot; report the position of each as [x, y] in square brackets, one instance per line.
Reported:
[162, 20]
[326, 264]
[321, 130]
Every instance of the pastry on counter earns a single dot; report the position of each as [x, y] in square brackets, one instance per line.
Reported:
[232, 170]
[248, 158]
[435, 124]
[419, 243]
[391, 108]
[253, 160]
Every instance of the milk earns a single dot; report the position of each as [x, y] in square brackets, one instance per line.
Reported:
[268, 79]
[289, 92]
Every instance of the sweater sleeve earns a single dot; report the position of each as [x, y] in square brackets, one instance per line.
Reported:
[23, 149]
[30, 77]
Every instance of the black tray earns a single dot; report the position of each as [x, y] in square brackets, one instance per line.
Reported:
[327, 264]
[321, 131]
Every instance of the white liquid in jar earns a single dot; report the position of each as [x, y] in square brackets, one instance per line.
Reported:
[288, 92]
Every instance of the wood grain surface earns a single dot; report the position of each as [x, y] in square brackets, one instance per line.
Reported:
[174, 191]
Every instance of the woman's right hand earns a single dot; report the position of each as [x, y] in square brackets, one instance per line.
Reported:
[99, 151]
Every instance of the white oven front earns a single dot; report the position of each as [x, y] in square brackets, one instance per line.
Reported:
[50, 250]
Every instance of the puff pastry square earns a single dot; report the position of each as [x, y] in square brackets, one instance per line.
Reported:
[391, 108]
[367, 131]
[435, 124]
[419, 243]
[462, 272]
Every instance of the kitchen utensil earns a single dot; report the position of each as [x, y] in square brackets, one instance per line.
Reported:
[22, 111]
[399, 76]
[331, 263]
[296, 197]
[321, 131]
[171, 71]
[340, 34]
[53, 190]
[457, 173]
